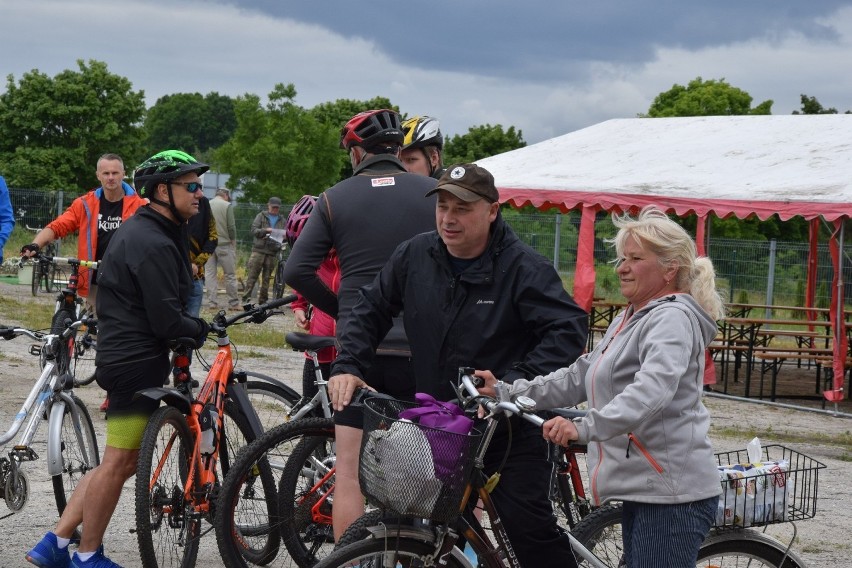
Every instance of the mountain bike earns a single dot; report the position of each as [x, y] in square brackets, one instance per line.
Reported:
[430, 538]
[72, 448]
[188, 447]
[278, 284]
[82, 344]
[298, 513]
[45, 271]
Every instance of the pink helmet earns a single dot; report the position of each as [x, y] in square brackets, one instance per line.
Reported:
[298, 217]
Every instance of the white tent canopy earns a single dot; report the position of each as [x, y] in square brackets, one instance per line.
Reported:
[793, 165]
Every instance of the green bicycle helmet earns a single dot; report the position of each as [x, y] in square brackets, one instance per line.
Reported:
[164, 167]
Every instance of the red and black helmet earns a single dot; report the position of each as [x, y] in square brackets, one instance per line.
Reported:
[298, 217]
[372, 128]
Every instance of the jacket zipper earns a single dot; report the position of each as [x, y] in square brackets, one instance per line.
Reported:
[631, 439]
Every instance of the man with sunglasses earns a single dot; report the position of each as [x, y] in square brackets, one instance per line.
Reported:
[145, 280]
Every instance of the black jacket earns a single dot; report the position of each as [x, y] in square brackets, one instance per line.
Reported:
[363, 218]
[144, 281]
[507, 313]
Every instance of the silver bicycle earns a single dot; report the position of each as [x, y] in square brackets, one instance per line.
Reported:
[72, 448]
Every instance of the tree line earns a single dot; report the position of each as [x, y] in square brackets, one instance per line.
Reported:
[53, 129]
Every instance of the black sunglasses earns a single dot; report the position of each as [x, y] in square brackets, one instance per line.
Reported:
[191, 186]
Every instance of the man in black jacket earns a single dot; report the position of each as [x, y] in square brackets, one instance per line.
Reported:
[363, 218]
[474, 295]
[144, 282]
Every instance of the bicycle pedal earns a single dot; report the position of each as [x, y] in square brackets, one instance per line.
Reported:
[35, 350]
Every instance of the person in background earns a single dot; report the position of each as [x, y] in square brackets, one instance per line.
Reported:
[472, 294]
[7, 219]
[264, 250]
[647, 428]
[308, 318]
[225, 254]
[363, 218]
[423, 146]
[145, 281]
[203, 239]
[95, 216]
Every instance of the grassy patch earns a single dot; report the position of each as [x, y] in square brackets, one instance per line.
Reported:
[32, 315]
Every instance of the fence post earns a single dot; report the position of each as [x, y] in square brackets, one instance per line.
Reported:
[770, 277]
[59, 209]
[556, 241]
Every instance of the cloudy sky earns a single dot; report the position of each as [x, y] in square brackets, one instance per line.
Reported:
[546, 67]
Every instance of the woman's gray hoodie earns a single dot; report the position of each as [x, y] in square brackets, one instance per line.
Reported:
[646, 429]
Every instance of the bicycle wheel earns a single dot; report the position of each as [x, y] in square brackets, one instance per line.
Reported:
[83, 360]
[36, 279]
[167, 529]
[50, 276]
[237, 435]
[741, 548]
[390, 553]
[305, 497]
[278, 284]
[271, 399]
[247, 503]
[77, 447]
[600, 532]
[57, 326]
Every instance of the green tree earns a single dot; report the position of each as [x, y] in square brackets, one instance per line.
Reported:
[280, 149]
[481, 142]
[190, 122]
[810, 105]
[705, 98]
[52, 130]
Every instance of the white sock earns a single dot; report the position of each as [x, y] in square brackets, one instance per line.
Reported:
[62, 542]
[83, 556]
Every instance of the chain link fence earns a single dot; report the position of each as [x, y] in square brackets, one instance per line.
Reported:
[758, 272]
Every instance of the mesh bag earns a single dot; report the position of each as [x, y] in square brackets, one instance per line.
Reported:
[397, 471]
[780, 488]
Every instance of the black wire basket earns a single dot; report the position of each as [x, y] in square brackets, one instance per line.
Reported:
[413, 470]
[781, 488]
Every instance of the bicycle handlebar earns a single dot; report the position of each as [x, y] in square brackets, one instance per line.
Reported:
[93, 264]
[257, 314]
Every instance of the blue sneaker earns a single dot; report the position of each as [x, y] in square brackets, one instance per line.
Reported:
[46, 554]
[96, 561]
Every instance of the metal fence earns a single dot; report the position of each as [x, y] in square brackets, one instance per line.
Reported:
[749, 271]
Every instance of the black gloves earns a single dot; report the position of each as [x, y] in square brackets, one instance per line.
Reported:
[32, 247]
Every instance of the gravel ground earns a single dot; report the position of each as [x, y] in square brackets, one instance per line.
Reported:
[822, 542]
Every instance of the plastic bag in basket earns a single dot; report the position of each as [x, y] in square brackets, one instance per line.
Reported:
[753, 493]
[401, 469]
[449, 426]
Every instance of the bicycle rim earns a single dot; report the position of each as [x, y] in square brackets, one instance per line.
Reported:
[600, 532]
[246, 502]
[79, 447]
[167, 529]
[744, 548]
[387, 553]
[83, 361]
[305, 498]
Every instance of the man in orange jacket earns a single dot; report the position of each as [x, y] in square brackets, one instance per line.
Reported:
[95, 215]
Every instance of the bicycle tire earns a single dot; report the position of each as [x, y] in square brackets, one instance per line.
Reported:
[278, 284]
[265, 546]
[359, 530]
[83, 361]
[57, 326]
[745, 548]
[49, 277]
[387, 552]
[246, 501]
[161, 511]
[600, 532]
[303, 536]
[270, 399]
[36, 279]
[78, 452]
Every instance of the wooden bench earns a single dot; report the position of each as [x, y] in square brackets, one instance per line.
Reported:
[771, 360]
